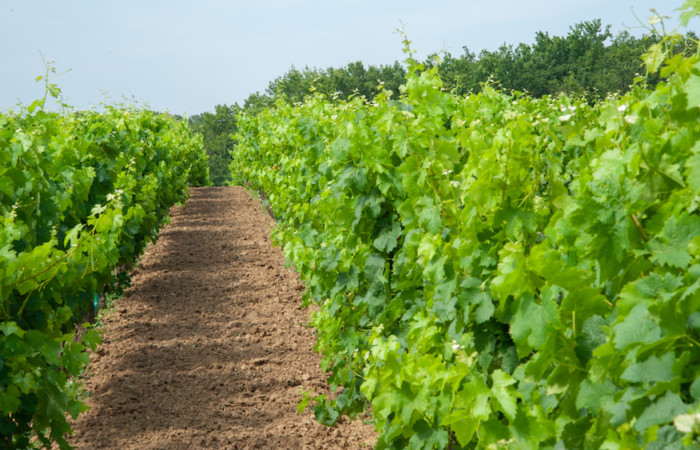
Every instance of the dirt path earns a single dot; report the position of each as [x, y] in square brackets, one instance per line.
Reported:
[208, 347]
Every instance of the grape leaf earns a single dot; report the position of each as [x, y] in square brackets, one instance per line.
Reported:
[661, 411]
[429, 214]
[692, 173]
[651, 370]
[388, 237]
[692, 90]
[695, 388]
[670, 247]
[636, 328]
[502, 394]
[593, 395]
[532, 322]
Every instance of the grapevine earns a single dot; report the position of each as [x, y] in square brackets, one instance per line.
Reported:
[81, 193]
[497, 270]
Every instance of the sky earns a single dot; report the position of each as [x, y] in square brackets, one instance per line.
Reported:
[187, 57]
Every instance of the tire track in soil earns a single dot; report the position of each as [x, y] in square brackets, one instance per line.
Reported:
[208, 349]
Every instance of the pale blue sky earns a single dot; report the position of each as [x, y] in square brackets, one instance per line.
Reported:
[187, 57]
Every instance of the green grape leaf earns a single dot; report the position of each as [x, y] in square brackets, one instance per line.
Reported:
[444, 305]
[670, 247]
[663, 410]
[690, 9]
[429, 214]
[388, 237]
[692, 172]
[511, 278]
[654, 57]
[6, 186]
[533, 322]
[695, 388]
[374, 267]
[464, 429]
[425, 436]
[503, 395]
[9, 400]
[54, 90]
[692, 90]
[9, 328]
[472, 294]
[574, 433]
[636, 328]
[594, 396]
[651, 370]
[75, 408]
[590, 337]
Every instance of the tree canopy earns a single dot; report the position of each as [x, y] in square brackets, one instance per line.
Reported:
[589, 61]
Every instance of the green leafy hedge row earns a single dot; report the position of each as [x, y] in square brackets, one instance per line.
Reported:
[80, 194]
[497, 271]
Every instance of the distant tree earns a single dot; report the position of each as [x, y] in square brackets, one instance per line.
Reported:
[257, 101]
[588, 61]
[294, 85]
[458, 73]
[356, 80]
[216, 129]
[342, 83]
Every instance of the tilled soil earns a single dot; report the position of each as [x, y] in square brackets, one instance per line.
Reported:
[209, 348]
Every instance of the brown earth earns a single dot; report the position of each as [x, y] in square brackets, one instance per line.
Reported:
[208, 348]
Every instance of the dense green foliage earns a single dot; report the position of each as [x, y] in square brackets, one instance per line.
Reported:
[343, 83]
[589, 62]
[498, 270]
[80, 194]
[216, 129]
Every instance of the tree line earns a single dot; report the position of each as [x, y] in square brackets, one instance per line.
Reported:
[589, 62]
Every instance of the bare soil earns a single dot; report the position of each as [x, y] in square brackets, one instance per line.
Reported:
[209, 348]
